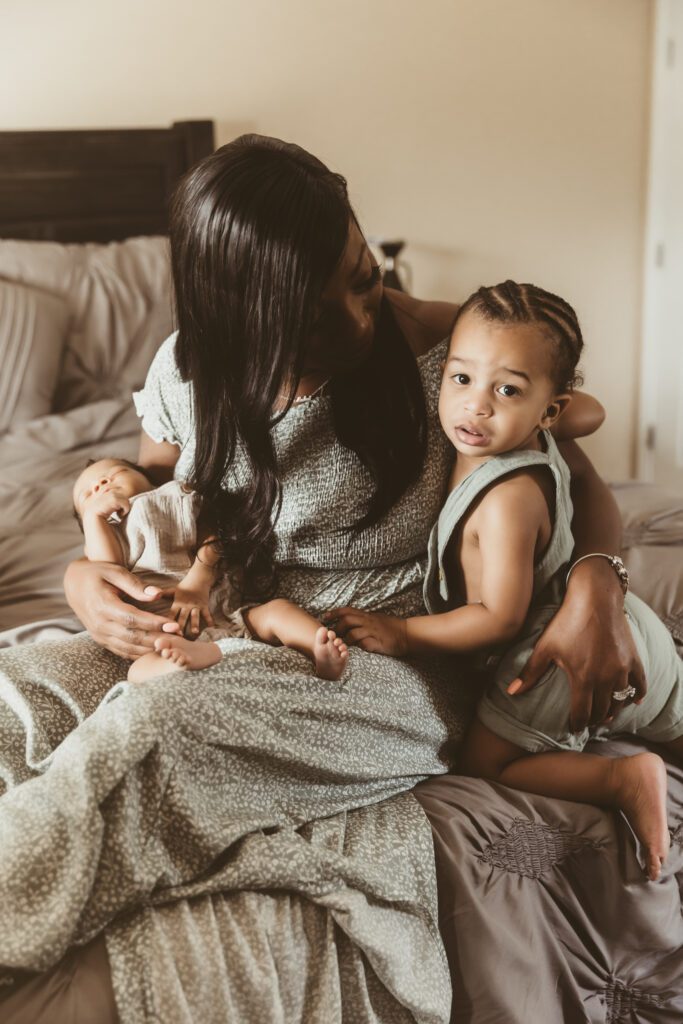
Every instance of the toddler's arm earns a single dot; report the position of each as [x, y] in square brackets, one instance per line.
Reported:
[509, 520]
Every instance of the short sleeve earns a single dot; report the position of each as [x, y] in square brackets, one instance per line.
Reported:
[164, 404]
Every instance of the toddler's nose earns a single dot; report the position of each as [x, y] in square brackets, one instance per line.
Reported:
[478, 406]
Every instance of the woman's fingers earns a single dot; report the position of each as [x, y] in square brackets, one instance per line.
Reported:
[126, 582]
[347, 619]
[371, 645]
[194, 621]
[130, 617]
[208, 617]
[536, 666]
[638, 681]
[124, 650]
[354, 636]
[347, 613]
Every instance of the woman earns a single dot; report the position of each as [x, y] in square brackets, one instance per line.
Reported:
[327, 332]
[301, 402]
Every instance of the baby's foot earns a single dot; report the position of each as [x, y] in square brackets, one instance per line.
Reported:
[329, 653]
[641, 795]
[151, 665]
[182, 653]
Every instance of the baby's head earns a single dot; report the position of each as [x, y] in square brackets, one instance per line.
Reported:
[510, 369]
[106, 474]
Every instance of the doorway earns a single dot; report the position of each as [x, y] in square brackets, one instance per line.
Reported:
[660, 441]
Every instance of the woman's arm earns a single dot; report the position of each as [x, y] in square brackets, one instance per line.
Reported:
[424, 324]
[157, 458]
[582, 417]
[93, 589]
[590, 637]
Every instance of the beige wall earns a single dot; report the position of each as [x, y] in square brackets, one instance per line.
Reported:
[502, 138]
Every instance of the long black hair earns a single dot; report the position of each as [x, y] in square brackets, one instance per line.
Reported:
[257, 230]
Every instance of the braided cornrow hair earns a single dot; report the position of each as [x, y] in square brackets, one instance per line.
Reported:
[512, 303]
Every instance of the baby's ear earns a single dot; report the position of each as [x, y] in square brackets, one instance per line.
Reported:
[554, 410]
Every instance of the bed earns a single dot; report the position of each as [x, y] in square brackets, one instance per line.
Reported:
[544, 913]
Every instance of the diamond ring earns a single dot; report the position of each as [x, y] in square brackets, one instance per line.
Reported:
[630, 691]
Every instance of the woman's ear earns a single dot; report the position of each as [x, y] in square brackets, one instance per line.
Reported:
[553, 411]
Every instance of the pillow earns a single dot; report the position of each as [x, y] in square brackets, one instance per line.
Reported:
[119, 299]
[650, 513]
[657, 577]
[33, 330]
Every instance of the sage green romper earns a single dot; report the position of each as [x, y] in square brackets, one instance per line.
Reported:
[539, 719]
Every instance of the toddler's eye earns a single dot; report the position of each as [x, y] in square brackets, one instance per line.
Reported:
[460, 378]
[509, 390]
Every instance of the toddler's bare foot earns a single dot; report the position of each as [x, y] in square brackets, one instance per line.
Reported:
[640, 783]
[329, 653]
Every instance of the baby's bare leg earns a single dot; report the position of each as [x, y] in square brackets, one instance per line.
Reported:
[636, 785]
[173, 653]
[283, 622]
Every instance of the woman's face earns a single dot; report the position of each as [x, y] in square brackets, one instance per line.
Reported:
[349, 308]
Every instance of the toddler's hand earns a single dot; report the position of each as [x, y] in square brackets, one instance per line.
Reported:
[104, 504]
[191, 606]
[371, 631]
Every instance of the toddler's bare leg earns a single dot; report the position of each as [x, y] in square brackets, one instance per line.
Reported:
[283, 622]
[636, 785]
[173, 653]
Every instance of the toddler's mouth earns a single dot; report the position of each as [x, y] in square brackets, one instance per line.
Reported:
[468, 435]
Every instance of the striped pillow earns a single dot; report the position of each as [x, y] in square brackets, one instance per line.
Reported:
[33, 329]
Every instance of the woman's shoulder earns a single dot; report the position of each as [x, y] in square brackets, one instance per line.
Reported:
[423, 323]
[164, 403]
[164, 363]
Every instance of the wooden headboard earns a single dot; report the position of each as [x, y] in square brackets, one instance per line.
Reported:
[94, 185]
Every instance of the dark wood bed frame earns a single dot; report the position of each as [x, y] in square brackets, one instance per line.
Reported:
[93, 185]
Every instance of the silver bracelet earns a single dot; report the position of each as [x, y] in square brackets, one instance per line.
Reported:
[614, 560]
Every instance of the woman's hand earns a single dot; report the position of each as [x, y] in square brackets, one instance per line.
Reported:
[93, 588]
[590, 639]
[190, 606]
[379, 634]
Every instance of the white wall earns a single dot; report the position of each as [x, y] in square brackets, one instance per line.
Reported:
[502, 138]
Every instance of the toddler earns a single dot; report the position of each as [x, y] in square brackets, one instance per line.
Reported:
[498, 559]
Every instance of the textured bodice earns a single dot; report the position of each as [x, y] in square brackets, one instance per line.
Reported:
[325, 489]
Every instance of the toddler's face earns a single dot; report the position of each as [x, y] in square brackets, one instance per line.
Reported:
[496, 390]
[108, 475]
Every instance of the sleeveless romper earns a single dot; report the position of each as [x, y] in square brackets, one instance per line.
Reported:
[539, 719]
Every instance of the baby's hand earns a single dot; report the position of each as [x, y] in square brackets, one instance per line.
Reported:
[371, 631]
[190, 606]
[105, 504]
